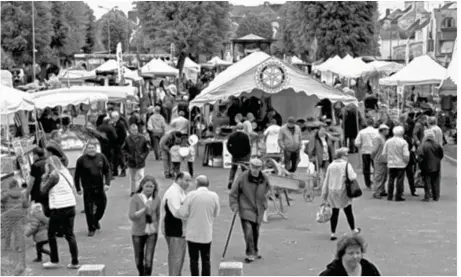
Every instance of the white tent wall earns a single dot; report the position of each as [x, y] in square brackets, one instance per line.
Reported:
[290, 103]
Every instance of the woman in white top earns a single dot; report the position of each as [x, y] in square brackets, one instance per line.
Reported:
[334, 190]
[59, 185]
[271, 135]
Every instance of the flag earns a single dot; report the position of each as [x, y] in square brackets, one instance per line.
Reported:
[120, 78]
[407, 52]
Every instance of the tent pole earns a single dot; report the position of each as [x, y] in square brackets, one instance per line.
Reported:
[358, 130]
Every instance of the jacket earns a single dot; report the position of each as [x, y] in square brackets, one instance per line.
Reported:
[111, 136]
[138, 226]
[429, 155]
[289, 141]
[365, 139]
[56, 150]
[248, 196]
[135, 149]
[396, 152]
[120, 130]
[315, 149]
[238, 145]
[336, 268]
[156, 124]
[167, 141]
[378, 146]
[37, 169]
[38, 225]
[60, 190]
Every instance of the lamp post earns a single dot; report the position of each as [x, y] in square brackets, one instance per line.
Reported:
[33, 41]
[108, 25]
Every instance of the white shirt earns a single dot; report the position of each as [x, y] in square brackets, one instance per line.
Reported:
[247, 127]
[200, 208]
[175, 196]
[272, 136]
[365, 139]
[438, 134]
[180, 124]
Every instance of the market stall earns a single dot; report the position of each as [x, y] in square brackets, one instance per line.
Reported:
[72, 77]
[448, 98]
[158, 68]
[288, 90]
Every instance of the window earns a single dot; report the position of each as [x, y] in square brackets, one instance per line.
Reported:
[447, 47]
[448, 22]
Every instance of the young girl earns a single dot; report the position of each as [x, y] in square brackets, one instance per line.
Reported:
[144, 214]
[38, 228]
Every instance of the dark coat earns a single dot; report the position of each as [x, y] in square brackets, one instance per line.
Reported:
[336, 268]
[429, 155]
[110, 134]
[239, 145]
[135, 149]
[56, 150]
[315, 149]
[121, 131]
[37, 170]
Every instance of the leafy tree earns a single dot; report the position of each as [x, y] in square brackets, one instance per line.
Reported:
[90, 31]
[338, 28]
[253, 24]
[117, 23]
[16, 31]
[194, 27]
[7, 60]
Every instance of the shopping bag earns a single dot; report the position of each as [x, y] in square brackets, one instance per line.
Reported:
[324, 213]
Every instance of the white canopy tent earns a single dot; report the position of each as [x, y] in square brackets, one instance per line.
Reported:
[297, 61]
[111, 66]
[354, 68]
[382, 67]
[328, 64]
[449, 85]
[14, 100]
[7, 78]
[75, 75]
[216, 61]
[53, 98]
[293, 93]
[158, 68]
[422, 70]
[113, 93]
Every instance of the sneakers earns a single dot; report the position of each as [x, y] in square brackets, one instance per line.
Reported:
[249, 259]
[73, 266]
[91, 233]
[37, 260]
[98, 226]
[356, 231]
[50, 265]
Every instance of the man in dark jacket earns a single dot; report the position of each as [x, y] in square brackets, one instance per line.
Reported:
[239, 147]
[119, 159]
[54, 147]
[93, 173]
[418, 131]
[108, 144]
[135, 149]
[248, 197]
[430, 155]
[36, 171]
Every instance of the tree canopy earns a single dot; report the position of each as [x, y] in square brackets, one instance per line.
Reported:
[118, 24]
[194, 27]
[253, 24]
[332, 28]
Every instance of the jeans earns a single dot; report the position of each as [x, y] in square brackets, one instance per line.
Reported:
[40, 250]
[367, 162]
[136, 175]
[176, 254]
[251, 236]
[177, 168]
[119, 160]
[351, 144]
[109, 153]
[410, 172]
[291, 160]
[234, 169]
[202, 249]
[167, 166]
[91, 198]
[397, 175]
[144, 250]
[432, 185]
[155, 140]
[380, 178]
[334, 218]
[62, 218]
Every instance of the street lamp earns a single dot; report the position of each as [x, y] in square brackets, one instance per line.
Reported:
[108, 25]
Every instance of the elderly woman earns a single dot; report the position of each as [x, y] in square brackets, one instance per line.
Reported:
[349, 259]
[334, 190]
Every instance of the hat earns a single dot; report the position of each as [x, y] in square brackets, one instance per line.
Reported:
[341, 152]
[383, 126]
[291, 120]
[256, 162]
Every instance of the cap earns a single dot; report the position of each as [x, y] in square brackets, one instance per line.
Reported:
[291, 120]
[341, 152]
[256, 162]
[383, 126]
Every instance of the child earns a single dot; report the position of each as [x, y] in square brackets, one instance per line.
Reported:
[15, 204]
[38, 228]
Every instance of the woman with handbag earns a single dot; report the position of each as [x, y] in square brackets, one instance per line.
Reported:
[144, 214]
[336, 190]
[60, 189]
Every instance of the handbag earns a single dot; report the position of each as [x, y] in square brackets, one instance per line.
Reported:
[324, 213]
[352, 186]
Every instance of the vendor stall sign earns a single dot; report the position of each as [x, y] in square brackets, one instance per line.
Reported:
[272, 76]
[24, 163]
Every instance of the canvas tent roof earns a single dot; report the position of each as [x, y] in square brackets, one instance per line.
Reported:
[245, 77]
[188, 63]
[296, 60]
[422, 70]
[328, 64]
[216, 61]
[111, 66]
[159, 68]
[13, 100]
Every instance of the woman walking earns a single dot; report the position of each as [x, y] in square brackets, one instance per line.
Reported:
[144, 214]
[59, 185]
[334, 190]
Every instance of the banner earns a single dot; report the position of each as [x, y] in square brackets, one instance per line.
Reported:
[120, 63]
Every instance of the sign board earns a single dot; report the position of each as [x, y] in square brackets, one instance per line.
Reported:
[23, 161]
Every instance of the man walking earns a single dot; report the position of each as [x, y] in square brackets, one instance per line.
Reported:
[135, 149]
[438, 133]
[430, 155]
[36, 172]
[156, 126]
[180, 124]
[200, 208]
[364, 142]
[248, 198]
[290, 142]
[239, 147]
[171, 224]
[396, 153]
[380, 163]
[92, 172]
[119, 160]
[108, 144]
[418, 131]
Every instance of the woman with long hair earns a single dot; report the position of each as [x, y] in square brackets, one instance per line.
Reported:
[60, 188]
[144, 214]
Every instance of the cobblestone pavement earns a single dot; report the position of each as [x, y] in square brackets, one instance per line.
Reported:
[404, 238]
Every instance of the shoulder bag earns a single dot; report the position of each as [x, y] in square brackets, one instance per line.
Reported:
[352, 186]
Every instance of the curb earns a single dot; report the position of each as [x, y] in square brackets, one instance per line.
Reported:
[450, 159]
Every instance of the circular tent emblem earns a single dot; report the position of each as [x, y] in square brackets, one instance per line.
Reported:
[272, 77]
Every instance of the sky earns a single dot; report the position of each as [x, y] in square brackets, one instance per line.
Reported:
[126, 6]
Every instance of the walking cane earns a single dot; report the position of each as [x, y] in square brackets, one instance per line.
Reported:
[229, 234]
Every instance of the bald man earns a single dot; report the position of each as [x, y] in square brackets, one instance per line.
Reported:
[200, 208]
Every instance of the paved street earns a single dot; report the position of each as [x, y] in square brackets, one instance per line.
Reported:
[405, 238]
